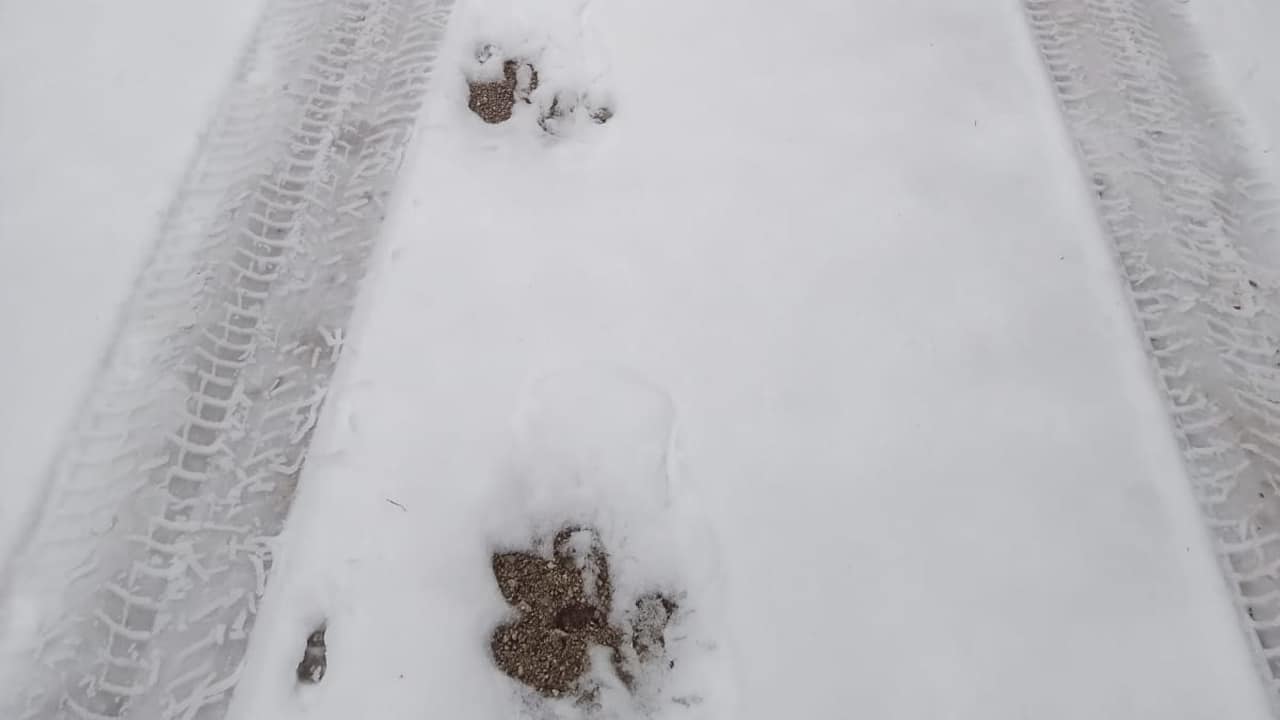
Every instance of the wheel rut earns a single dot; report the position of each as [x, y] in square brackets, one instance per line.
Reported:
[1195, 224]
[151, 552]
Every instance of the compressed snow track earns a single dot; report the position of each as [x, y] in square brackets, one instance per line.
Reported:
[1195, 226]
[136, 588]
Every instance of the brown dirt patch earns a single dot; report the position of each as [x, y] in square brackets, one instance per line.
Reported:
[563, 604]
[495, 100]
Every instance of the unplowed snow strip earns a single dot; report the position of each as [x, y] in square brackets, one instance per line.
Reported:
[153, 547]
[1194, 224]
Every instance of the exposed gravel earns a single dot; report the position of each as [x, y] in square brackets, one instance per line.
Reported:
[563, 604]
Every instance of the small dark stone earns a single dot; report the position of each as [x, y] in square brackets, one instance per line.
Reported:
[314, 658]
[601, 115]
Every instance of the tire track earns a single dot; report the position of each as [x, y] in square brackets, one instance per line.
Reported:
[154, 544]
[1195, 226]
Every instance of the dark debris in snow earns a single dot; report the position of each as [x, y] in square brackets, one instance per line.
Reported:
[314, 658]
[563, 604]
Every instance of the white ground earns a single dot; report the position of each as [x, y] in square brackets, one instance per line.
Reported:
[1240, 34]
[840, 250]
[908, 391]
[101, 106]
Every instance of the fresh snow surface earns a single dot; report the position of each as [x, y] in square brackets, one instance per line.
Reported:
[1191, 213]
[101, 107]
[138, 584]
[1240, 38]
[819, 330]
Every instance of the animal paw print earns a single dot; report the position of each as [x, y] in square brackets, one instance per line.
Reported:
[563, 605]
[563, 608]
[506, 81]
[497, 84]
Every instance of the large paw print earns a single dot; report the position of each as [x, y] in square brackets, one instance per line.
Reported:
[563, 604]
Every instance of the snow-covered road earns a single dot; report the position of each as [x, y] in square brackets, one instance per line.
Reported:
[822, 332]
[1196, 224]
[138, 581]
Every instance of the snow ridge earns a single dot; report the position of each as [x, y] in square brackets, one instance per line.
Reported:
[137, 586]
[1194, 223]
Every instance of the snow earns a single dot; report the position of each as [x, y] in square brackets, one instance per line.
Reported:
[101, 108]
[820, 329]
[1238, 36]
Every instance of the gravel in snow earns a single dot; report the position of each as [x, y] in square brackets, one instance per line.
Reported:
[845, 375]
